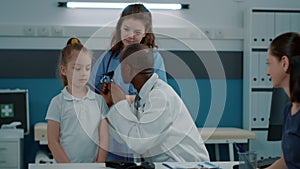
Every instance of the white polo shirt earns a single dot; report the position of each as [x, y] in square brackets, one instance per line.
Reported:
[79, 121]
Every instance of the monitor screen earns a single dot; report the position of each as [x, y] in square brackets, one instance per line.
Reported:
[278, 103]
[14, 107]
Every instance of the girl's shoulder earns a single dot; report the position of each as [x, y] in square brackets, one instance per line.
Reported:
[93, 95]
[58, 97]
[57, 101]
[101, 101]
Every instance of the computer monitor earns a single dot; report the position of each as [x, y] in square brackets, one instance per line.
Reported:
[278, 103]
[14, 107]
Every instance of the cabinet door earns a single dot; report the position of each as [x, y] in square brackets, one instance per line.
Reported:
[282, 23]
[295, 22]
[254, 62]
[262, 29]
[263, 78]
[9, 154]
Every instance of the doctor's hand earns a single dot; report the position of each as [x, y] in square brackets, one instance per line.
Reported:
[112, 93]
[117, 93]
[106, 94]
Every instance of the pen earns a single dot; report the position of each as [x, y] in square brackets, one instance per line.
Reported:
[166, 165]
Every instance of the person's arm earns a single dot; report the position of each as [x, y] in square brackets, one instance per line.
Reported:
[106, 94]
[279, 164]
[110, 100]
[104, 141]
[53, 134]
[159, 66]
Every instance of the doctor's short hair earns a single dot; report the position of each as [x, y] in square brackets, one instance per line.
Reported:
[139, 57]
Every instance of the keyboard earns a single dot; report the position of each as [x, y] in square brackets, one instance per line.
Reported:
[263, 163]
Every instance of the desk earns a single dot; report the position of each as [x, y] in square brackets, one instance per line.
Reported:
[223, 165]
[209, 135]
[225, 136]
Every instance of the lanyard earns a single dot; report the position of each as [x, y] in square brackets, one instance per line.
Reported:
[108, 63]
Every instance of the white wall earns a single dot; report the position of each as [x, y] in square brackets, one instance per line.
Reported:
[222, 20]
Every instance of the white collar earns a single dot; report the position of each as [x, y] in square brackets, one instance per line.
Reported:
[148, 85]
[68, 96]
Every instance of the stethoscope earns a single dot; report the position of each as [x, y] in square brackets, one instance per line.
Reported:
[108, 63]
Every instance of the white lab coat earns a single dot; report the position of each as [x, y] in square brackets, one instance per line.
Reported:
[162, 128]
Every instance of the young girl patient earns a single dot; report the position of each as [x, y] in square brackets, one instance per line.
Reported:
[76, 130]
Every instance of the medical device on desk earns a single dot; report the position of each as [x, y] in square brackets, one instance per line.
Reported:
[190, 165]
[129, 165]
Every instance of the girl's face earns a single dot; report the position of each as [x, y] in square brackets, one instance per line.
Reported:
[277, 70]
[78, 69]
[132, 31]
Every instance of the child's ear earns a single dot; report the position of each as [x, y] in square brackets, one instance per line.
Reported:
[63, 70]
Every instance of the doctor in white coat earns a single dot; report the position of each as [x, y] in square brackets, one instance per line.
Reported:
[157, 126]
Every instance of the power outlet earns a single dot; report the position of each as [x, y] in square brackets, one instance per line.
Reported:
[218, 34]
[29, 30]
[57, 31]
[43, 31]
[207, 33]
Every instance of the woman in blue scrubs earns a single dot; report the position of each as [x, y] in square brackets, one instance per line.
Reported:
[133, 26]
